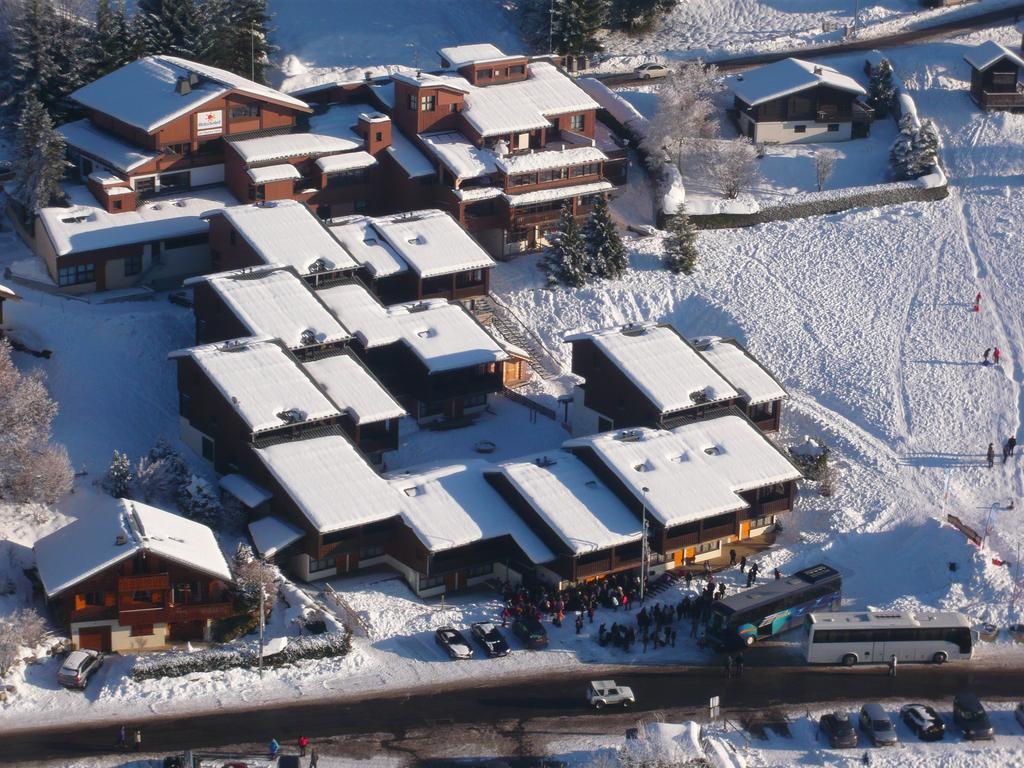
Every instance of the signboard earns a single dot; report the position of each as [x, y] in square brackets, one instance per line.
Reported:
[210, 123]
[971, 534]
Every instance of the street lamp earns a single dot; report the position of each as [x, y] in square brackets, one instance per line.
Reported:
[643, 544]
[263, 598]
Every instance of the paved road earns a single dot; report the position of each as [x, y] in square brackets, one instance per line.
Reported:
[524, 700]
[939, 29]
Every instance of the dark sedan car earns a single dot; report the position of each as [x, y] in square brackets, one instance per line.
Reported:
[923, 721]
[971, 717]
[531, 632]
[489, 638]
[453, 642]
[838, 730]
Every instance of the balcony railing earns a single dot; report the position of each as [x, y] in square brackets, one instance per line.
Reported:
[200, 612]
[150, 582]
[991, 100]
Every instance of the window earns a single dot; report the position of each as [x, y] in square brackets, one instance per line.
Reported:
[117, 205]
[707, 546]
[761, 522]
[518, 69]
[453, 107]
[431, 409]
[141, 596]
[208, 449]
[257, 192]
[76, 275]
[132, 264]
[522, 180]
[412, 101]
[577, 122]
[374, 550]
[243, 111]
[378, 136]
[799, 129]
[349, 178]
[554, 174]
[184, 149]
[426, 582]
[321, 565]
[833, 127]
[481, 570]
[187, 241]
[93, 598]
[141, 630]
[428, 103]
[590, 169]
[470, 278]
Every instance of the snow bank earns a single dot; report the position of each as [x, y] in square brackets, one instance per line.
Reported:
[622, 111]
[671, 192]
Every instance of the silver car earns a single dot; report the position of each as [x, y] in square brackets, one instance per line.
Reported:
[877, 726]
[78, 667]
[651, 71]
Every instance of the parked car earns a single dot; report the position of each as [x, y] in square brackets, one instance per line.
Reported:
[923, 721]
[838, 730]
[877, 725]
[607, 693]
[1018, 712]
[489, 638]
[453, 642]
[78, 667]
[651, 71]
[971, 717]
[531, 632]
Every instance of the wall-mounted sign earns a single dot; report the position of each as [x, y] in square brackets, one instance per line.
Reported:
[210, 122]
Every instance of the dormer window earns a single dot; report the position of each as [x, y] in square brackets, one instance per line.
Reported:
[428, 103]
[412, 102]
[577, 122]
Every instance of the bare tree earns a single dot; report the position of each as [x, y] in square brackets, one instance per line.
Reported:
[686, 114]
[22, 629]
[732, 166]
[824, 163]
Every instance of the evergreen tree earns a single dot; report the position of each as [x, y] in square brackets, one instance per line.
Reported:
[32, 54]
[38, 158]
[167, 27]
[118, 479]
[112, 41]
[881, 89]
[246, 42]
[681, 244]
[915, 150]
[576, 24]
[606, 255]
[637, 14]
[567, 258]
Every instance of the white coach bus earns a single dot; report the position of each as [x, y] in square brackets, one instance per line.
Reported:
[874, 638]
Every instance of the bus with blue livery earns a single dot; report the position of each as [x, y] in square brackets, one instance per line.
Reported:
[746, 617]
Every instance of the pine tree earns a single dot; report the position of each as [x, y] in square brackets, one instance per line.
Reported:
[247, 44]
[38, 158]
[915, 151]
[576, 26]
[567, 259]
[681, 244]
[637, 14]
[32, 54]
[112, 43]
[606, 255]
[881, 89]
[118, 479]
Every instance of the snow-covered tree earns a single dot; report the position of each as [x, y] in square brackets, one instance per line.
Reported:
[634, 15]
[118, 479]
[606, 255]
[576, 25]
[733, 166]
[200, 501]
[251, 575]
[681, 244]
[915, 151]
[881, 88]
[169, 27]
[38, 158]
[161, 475]
[21, 629]
[566, 260]
[112, 40]
[685, 116]
[245, 43]
[31, 467]
[824, 163]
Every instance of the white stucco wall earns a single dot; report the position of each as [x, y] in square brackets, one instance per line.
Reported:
[785, 132]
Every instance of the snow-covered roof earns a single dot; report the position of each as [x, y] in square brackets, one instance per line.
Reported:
[558, 193]
[353, 389]
[551, 158]
[661, 364]
[349, 161]
[269, 173]
[85, 226]
[524, 105]
[271, 534]
[472, 194]
[339, 121]
[105, 147]
[983, 56]
[361, 312]
[782, 78]
[458, 55]
[287, 232]
[409, 157]
[432, 243]
[454, 505]
[330, 482]
[459, 155]
[755, 384]
[245, 490]
[269, 148]
[262, 383]
[89, 545]
[367, 247]
[568, 496]
[694, 471]
[8, 294]
[275, 302]
[143, 93]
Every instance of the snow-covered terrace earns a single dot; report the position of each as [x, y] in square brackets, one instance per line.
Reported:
[330, 482]
[270, 173]
[459, 155]
[432, 243]
[261, 381]
[350, 161]
[574, 503]
[755, 384]
[89, 545]
[559, 193]
[105, 147]
[286, 232]
[354, 389]
[282, 147]
[691, 472]
[85, 226]
[549, 158]
[273, 301]
[662, 365]
[340, 121]
[459, 55]
[454, 505]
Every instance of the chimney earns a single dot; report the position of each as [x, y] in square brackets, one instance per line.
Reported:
[183, 87]
[193, 79]
[375, 129]
[817, 70]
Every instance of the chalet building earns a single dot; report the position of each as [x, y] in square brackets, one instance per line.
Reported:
[701, 485]
[591, 532]
[642, 374]
[793, 101]
[995, 71]
[432, 356]
[283, 232]
[6, 294]
[131, 577]
[267, 301]
[761, 394]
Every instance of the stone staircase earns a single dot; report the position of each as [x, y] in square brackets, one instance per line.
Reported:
[490, 312]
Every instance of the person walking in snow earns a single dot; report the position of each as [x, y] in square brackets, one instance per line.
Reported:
[314, 758]
[137, 740]
[985, 360]
[743, 564]
[977, 303]
[274, 748]
[1011, 444]
[777, 574]
[732, 557]
[122, 737]
[996, 355]
[1006, 451]
[303, 743]
[991, 455]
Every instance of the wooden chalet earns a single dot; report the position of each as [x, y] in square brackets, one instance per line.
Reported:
[701, 486]
[130, 577]
[793, 100]
[995, 73]
[761, 394]
[6, 294]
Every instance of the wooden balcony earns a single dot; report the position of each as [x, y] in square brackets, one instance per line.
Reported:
[200, 611]
[1012, 100]
[129, 617]
[150, 582]
[776, 506]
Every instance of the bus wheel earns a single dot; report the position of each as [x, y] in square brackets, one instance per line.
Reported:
[940, 658]
[849, 660]
[748, 640]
